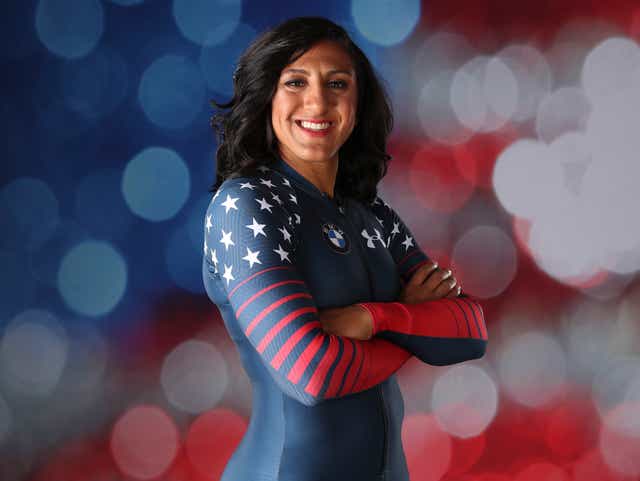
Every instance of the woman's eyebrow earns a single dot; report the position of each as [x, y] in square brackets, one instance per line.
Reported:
[304, 72]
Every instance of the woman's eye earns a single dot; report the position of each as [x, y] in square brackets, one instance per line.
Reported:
[292, 83]
[339, 83]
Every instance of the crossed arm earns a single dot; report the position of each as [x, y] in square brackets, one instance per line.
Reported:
[441, 331]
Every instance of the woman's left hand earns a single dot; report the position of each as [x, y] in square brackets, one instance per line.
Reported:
[351, 321]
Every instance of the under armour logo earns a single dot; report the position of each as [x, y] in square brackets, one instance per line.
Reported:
[371, 238]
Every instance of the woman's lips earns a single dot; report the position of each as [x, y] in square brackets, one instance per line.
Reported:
[314, 133]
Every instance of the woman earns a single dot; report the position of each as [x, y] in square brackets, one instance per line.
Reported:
[295, 225]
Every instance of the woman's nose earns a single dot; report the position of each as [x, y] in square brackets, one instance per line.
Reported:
[316, 95]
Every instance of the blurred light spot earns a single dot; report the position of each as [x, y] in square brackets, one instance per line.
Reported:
[92, 278]
[532, 367]
[542, 470]
[610, 183]
[522, 171]
[442, 51]
[591, 467]
[572, 426]
[485, 261]
[207, 20]
[44, 263]
[484, 94]
[33, 353]
[611, 67]
[144, 442]
[436, 180]
[211, 440]
[586, 328]
[613, 381]
[28, 213]
[17, 285]
[194, 376]
[620, 439]
[171, 92]
[464, 400]
[565, 110]
[6, 420]
[156, 184]
[560, 248]
[69, 35]
[532, 75]
[437, 118]
[422, 434]
[95, 85]
[218, 61]
[82, 379]
[385, 22]
[99, 192]
[476, 158]
[184, 260]
[465, 453]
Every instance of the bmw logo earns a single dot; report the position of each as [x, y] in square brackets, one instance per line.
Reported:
[336, 238]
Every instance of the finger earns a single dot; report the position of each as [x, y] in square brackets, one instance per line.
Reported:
[436, 278]
[445, 287]
[422, 273]
[455, 292]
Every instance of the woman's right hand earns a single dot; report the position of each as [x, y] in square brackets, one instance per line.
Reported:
[429, 282]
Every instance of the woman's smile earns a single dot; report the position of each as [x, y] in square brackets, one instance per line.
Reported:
[313, 110]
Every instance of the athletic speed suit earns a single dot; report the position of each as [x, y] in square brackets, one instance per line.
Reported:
[325, 407]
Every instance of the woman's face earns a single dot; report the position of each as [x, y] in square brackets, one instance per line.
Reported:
[319, 87]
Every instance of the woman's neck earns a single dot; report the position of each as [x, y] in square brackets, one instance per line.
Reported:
[322, 174]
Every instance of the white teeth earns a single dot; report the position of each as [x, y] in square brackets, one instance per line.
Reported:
[313, 126]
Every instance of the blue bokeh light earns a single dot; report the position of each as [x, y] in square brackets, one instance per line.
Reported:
[99, 205]
[210, 21]
[29, 213]
[69, 28]
[44, 263]
[219, 61]
[92, 278]
[156, 184]
[95, 85]
[172, 92]
[386, 22]
[184, 260]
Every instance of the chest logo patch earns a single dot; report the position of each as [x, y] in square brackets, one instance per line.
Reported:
[336, 238]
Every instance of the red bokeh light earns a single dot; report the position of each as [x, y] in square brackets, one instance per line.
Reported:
[144, 442]
[465, 453]
[436, 180]
[476, 158]
[427, 447]
[212, 439]
[572, 426]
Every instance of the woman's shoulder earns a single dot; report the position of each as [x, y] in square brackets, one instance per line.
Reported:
[261, 194]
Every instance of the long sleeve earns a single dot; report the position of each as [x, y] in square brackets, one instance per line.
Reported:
[250, 244]
[438, 332]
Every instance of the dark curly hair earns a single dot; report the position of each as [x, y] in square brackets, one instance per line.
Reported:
[246, 139]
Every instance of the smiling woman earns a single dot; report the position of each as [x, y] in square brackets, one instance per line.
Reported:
[313, 111]
[321, 286]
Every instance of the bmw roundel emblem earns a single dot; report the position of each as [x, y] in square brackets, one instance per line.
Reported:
[336, 238]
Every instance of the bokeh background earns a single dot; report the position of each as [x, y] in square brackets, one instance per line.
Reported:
[515, 162]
